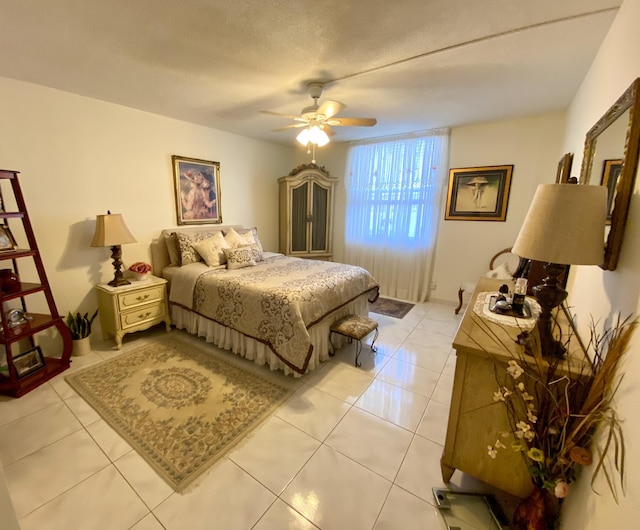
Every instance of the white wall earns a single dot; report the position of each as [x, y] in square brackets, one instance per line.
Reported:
[533, 146]
[79, 157]
[602, 294]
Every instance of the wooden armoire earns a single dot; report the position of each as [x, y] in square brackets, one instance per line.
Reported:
[306, 212]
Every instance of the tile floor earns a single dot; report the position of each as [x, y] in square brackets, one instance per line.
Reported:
[353, 448]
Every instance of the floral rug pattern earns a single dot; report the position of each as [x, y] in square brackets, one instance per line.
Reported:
[179, 404]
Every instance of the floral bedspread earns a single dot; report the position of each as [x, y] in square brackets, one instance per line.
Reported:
[274, 302]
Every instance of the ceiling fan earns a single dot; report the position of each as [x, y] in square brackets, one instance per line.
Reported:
[318, 120]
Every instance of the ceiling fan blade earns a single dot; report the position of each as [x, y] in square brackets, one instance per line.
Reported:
[352, 122]
[290, 116]
[292, 126]
[329, 108]
[330, 132]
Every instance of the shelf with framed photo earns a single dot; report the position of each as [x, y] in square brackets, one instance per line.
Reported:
[31, 353]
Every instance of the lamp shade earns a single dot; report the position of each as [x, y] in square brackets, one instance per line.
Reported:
[111, 230]
[564, 225]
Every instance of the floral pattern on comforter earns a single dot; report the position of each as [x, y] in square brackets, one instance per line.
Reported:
[277, 300]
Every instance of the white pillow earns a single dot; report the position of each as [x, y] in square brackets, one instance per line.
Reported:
[188, 253]
[501, 272]
[254, 231]
[238, 258]
[211, 250]
[236, 240]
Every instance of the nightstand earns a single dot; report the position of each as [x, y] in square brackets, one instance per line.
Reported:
[133, 307]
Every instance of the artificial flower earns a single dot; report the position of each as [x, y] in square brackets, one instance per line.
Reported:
[561, 489]
[535, 454]
[581, 456]
[514, 369]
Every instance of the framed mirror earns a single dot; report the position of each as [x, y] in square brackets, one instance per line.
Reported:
[611, 159]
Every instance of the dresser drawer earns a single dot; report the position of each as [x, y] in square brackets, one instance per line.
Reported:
[143, 296]
[142, 314]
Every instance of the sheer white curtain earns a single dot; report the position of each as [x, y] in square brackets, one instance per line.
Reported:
[394, 188]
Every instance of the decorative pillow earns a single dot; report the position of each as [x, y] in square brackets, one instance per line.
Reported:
[500, 273]
[236, 240]
[188, 254]
[254, 231]
[238, 258]
[173, 248]
[211, 250]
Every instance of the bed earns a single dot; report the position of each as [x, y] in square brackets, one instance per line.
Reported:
[276, 311]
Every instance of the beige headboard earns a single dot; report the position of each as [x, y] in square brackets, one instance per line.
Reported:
[159, 252]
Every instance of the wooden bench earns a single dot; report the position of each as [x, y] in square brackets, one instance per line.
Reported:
[355, 327]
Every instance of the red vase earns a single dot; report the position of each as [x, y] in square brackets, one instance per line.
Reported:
[539, 511]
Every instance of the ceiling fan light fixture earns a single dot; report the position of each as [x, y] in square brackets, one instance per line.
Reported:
[313, 134]
[304, 136]
[318, 136]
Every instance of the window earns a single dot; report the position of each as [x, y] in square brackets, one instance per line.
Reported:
[394, 188]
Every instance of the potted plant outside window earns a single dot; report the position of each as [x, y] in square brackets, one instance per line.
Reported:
[80, 328]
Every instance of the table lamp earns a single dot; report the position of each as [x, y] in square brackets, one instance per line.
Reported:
[111, 231]
[564, 226]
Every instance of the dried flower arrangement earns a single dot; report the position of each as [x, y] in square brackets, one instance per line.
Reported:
[554, 413]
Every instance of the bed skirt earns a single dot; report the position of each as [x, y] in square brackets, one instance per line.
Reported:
[234, 341]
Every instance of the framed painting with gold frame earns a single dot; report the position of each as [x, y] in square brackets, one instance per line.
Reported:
[478, 193]
[564, 169]
[197, 187]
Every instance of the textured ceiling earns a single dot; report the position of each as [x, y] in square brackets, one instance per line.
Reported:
[412, 64]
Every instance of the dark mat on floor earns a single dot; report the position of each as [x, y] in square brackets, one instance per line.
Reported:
[390, 308]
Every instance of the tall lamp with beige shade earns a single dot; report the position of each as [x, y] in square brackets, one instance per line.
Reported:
[564, 226]
[111, 231]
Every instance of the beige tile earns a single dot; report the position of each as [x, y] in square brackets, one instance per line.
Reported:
[103, 499]
[281, 516]
[143, 479]
[85, 413]
[420, 470]
[443, 390]
[149, 522]
[35, 431]
[12, 408]
[274, 437]
[392, 403]
[370, 362]
[405, 511]
[429, 356]
[226, 498]
[333, 491]
[433, 425]
[313, 411]
[64, 463]
[364, 437]
[410, 377]
[346, 383]
[108, 439]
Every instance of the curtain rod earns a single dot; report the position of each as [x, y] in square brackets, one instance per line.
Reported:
[405, 136]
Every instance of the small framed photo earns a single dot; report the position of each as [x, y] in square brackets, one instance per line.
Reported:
[7, 242]
[197, 187]
[28, 362]
[479, 193]
[610, 175]
[564, 169]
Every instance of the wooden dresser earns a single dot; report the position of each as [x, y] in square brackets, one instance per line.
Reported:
[475, 420]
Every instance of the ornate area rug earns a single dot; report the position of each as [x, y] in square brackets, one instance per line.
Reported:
[390, 308]
[181, 403]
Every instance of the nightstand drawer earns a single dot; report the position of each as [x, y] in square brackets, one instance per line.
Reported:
[143, 296]
[142, 314]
